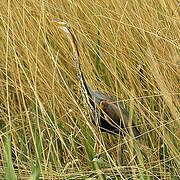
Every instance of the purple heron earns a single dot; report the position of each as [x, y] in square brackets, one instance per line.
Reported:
[109, 115]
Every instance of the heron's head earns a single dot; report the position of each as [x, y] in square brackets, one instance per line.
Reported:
[62, 25]
[66, 28]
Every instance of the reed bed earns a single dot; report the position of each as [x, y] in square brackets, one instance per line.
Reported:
[129, 50]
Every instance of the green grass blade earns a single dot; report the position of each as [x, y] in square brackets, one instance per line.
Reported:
[10, 173]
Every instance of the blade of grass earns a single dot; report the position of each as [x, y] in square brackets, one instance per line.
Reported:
[10, 172]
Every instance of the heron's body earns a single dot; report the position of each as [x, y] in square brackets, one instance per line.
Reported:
[105, 112]
[110, 116]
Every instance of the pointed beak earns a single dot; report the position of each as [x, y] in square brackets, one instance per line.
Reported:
[62, 25]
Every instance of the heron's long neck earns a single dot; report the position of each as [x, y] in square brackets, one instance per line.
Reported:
[87, 95]
[82, 82]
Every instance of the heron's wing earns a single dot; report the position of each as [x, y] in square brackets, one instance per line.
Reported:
[117, 114]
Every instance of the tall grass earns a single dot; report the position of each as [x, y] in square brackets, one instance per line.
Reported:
[128, 49]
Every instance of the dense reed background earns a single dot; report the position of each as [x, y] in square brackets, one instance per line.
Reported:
[129, 50]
